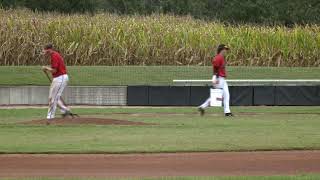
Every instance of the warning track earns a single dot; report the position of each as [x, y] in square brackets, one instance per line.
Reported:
[160, 165]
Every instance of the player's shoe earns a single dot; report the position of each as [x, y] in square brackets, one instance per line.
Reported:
[48, 123]
[202, 111]
[229, 115]
[68, 113]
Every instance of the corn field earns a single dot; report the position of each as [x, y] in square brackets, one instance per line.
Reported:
[107, 39]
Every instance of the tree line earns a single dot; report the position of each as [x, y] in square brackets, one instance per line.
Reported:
[267, 12]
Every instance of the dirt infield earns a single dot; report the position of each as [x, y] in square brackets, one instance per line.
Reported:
[86, 121]
[160, 165]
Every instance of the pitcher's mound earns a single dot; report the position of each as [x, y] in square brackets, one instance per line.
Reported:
[88, 121]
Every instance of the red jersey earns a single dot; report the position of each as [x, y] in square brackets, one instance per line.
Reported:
[57, 63]
[219, 66]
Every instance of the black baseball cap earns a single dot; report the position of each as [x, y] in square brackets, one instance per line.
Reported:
[48, 46]
[222, 47]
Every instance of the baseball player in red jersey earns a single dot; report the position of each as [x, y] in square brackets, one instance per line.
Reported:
[59, 82]
[219, 80]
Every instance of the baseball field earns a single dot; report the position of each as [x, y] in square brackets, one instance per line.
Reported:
[140, 142]
[158, 142]
[162, 130]
[155, 143]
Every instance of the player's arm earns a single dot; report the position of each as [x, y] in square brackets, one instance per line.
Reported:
[216, 67]
[49, 69]
[54, 65]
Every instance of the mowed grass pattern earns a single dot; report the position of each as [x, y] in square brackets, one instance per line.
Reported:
[178, 130]
[146, 75]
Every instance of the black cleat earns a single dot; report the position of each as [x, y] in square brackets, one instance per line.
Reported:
[202, 111]
[68, 113]
[75, 115]
[229, 115]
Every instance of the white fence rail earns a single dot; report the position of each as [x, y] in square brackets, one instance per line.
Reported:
[253, 82]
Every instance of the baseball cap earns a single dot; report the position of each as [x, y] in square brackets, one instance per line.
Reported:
[48, 46]
[223, 47]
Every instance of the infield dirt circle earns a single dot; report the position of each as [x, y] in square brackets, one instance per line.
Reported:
[160, 165]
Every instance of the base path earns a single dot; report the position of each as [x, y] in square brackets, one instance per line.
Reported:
[160, 165]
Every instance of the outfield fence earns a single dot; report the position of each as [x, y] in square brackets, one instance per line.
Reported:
[73, 95]
[162, 95]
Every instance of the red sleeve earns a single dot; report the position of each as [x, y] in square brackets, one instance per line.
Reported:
[54, 62]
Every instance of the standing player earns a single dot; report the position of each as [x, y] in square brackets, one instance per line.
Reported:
[59, 82]
[219, 80]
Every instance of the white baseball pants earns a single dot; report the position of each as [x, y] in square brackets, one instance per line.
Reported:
[226, 95]
[57, 87]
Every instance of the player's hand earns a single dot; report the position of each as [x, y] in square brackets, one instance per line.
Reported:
[215, 81]
[44, 68]
[50, 101]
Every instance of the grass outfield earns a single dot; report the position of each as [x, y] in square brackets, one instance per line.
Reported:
[179, 130]
[302, 177]
[142, 75]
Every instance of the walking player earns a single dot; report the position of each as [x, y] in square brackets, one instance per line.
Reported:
[59, 82]
[219, 80]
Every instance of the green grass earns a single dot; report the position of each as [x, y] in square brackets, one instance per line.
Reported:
[179, 130]
[146, 75]
[301, 177]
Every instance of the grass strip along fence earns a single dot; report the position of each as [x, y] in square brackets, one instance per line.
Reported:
[145, 75]
[106, 39]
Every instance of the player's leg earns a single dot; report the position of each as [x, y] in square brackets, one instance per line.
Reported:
[52, 105]
[57, 88]
[205, 105]
[65, 110]
[226, 99]
[63, 107]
